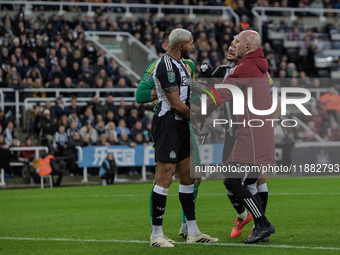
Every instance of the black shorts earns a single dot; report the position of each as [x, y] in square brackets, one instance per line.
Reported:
[171, 138]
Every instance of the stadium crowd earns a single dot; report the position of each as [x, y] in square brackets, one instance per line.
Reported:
[51, 52]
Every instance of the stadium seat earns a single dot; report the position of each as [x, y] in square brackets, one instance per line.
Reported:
[42, 180]
[323, 73]
[292, 54]
[336, 45]
[278, 46]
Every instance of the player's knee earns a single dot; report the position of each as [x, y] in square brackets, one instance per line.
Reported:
[231, 184]
[198, 180]
[164, 176]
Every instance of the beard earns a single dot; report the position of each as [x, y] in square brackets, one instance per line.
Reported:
[185, 54]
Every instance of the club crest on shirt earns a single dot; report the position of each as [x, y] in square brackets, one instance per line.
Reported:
[172, 154]
[147, 77]
[186, 81]
[171, 77]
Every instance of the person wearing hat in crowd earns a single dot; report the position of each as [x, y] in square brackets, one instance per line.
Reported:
[74, 118]
[48, 126]
[5, 57]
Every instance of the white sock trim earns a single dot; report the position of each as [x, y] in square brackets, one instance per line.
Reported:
[192, 228]
[186, 189]
[262, 188]
[243, 215]
[157, 231]
[161, 191]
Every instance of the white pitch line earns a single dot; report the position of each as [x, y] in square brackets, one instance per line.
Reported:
[146, 242]
[200, 194]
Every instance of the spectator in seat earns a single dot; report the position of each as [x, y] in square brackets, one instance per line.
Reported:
[87, 116]
[133, 118]
[75, 72]
[108, 170]
[109, 117]
[120, 115]
[41, 66]
[10, 133]
[294, 35]
[72, 129]
[74, 106]
[83, 85]
[122, 85]
[48, 126]
[147, 133]
[23, 69]
[70, 152]
[333, 132]
[47, 166]
[73, 118]
[5, 155]
[60, 141]
[112, 68]
[122, 74]
[29, 155]
[100, 127]
[122, 128]
[55, 84]
[15, 157]
[89, 130]
[111, 130]
[124, 139]
[60, 108]
[38, 84]
[109, 105]
[137, 129]
[331, 100]
[103, 140]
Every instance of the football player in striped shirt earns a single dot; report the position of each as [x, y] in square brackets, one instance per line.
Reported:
[146, 92]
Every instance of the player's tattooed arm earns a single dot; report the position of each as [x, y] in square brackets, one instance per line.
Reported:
[177, 105]
[170, 90]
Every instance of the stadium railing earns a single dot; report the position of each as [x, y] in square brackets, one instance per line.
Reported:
[128, 9]
[133, 50]
[262, 17]
[2, 102]
[17, 103]
[92, 36]
[81, 101]
[37, 149]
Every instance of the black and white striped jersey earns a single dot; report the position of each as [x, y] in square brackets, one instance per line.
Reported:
[168, 73]
[223, 71]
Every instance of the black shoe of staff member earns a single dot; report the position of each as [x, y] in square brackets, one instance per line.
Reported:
[259, 233]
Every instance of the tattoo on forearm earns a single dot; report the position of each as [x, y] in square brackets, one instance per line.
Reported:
[170, 90]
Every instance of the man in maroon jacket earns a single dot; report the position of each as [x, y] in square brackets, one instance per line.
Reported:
[254, 146]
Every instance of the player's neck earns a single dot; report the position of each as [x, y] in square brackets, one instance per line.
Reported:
[175, 55]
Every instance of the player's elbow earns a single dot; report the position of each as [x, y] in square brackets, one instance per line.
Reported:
[140, 97]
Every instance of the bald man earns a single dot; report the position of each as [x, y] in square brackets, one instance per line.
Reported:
[254, 146]
[171, 135]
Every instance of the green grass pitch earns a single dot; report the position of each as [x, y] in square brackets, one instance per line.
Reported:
[115, 219]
